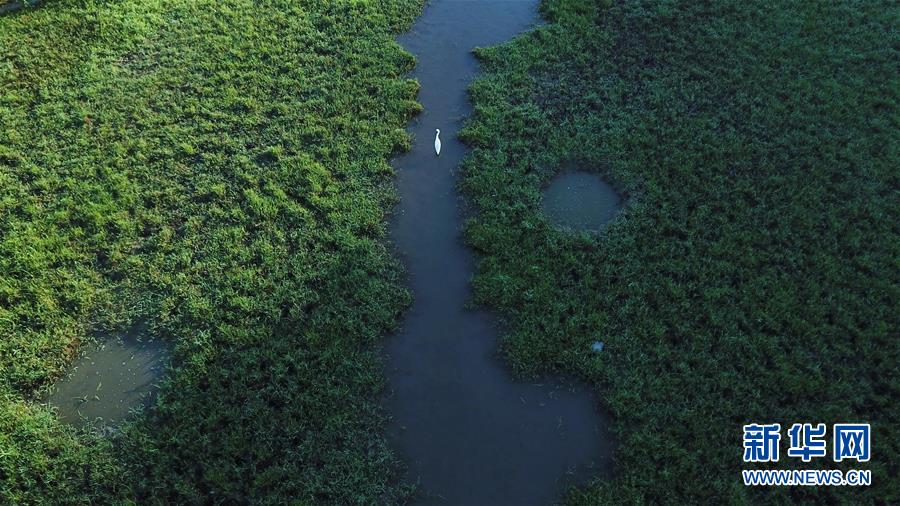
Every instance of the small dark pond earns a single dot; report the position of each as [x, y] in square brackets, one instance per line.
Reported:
[14, 5]
[114, 375]
[580, 201]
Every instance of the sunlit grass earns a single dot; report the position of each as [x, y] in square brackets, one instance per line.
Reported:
[220, 169]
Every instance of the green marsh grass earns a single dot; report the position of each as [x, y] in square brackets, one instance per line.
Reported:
[220, 170]
[753, 273]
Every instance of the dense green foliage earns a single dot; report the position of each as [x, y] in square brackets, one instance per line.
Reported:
[218, 169]
[753, 275]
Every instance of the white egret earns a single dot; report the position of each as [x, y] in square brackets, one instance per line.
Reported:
[437, 141]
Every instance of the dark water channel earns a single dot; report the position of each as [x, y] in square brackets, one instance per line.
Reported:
[113, 376]
[468, 433]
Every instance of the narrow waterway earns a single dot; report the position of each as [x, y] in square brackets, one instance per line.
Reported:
[468, 433]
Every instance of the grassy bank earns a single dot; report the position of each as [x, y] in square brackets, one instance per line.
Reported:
[218, 169]
[753, 274]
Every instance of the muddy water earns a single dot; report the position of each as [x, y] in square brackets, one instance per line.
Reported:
[113, 376]
[468, 433]
[580, 201]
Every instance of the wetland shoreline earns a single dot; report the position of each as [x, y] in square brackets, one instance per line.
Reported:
[468, 432]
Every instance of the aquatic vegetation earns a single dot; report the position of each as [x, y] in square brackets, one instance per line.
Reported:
[753, 275]
[218, 169]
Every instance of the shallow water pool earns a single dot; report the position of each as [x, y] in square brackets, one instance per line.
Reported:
[113, 375]
[580, 200]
